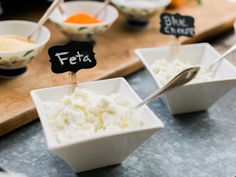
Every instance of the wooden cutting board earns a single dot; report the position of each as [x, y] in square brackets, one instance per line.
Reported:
[114, 54]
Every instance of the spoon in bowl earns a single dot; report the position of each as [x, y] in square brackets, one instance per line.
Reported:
[229, 51]
[44, 18]
[103, 7]
[180, 79]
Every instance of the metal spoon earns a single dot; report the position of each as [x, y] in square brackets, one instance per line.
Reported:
[179, 80]
[44, 18]
[229, 51]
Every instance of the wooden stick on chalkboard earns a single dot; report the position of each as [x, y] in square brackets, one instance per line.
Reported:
[71, 58]
[176, 48]
[177, 25]
[73, 79]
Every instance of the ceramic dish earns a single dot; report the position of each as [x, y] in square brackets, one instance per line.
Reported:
[138, 14]
[84, 32]
[193, 96]
[14, 63]
[101, 150]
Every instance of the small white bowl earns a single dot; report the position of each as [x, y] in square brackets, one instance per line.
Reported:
[99, 150]
[18, 59]
[84, 32]
[193, 96]
[138, 14]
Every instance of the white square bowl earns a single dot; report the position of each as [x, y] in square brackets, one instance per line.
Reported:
[193, 96]
[100, 150]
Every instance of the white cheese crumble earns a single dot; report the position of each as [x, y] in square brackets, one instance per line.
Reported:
[165, 70]
[85, 113]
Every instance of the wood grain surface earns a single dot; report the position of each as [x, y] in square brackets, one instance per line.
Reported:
[114, 54]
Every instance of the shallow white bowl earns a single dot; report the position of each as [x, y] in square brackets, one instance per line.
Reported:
[137, 11]
[193, 96]
[19, 59]
[100, 150]
[84, 32]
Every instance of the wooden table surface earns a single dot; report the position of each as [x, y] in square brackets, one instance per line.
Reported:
[114, 53]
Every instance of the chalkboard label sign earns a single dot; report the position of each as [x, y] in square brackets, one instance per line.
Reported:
[72, 57]
[177, 25]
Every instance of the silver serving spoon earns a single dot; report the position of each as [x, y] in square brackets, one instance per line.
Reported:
[179, 80]
[229, 51]
[44, 18]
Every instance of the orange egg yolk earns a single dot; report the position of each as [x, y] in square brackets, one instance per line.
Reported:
[82, 18]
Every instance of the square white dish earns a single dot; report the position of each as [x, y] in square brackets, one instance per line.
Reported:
[101, 150]
[193, 96]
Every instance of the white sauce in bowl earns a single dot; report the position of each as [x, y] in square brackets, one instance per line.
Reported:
[12, 43]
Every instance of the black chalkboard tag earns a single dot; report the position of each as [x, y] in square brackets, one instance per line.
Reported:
[72, 57]
[177, 25]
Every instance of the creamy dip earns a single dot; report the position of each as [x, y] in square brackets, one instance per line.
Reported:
[85, 113]
[10, 43]
[165, 70]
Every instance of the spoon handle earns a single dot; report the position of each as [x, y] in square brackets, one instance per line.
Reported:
[105, 4]
[150, 98]
[62, 8]
[44, 17]
[229, 51]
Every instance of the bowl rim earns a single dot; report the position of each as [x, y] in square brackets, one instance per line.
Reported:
[156, 124]
[38, 45]
[138, 52]
[154, 5]
[103, 23]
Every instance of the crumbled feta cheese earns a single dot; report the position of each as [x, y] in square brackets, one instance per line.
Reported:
[85, 113]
